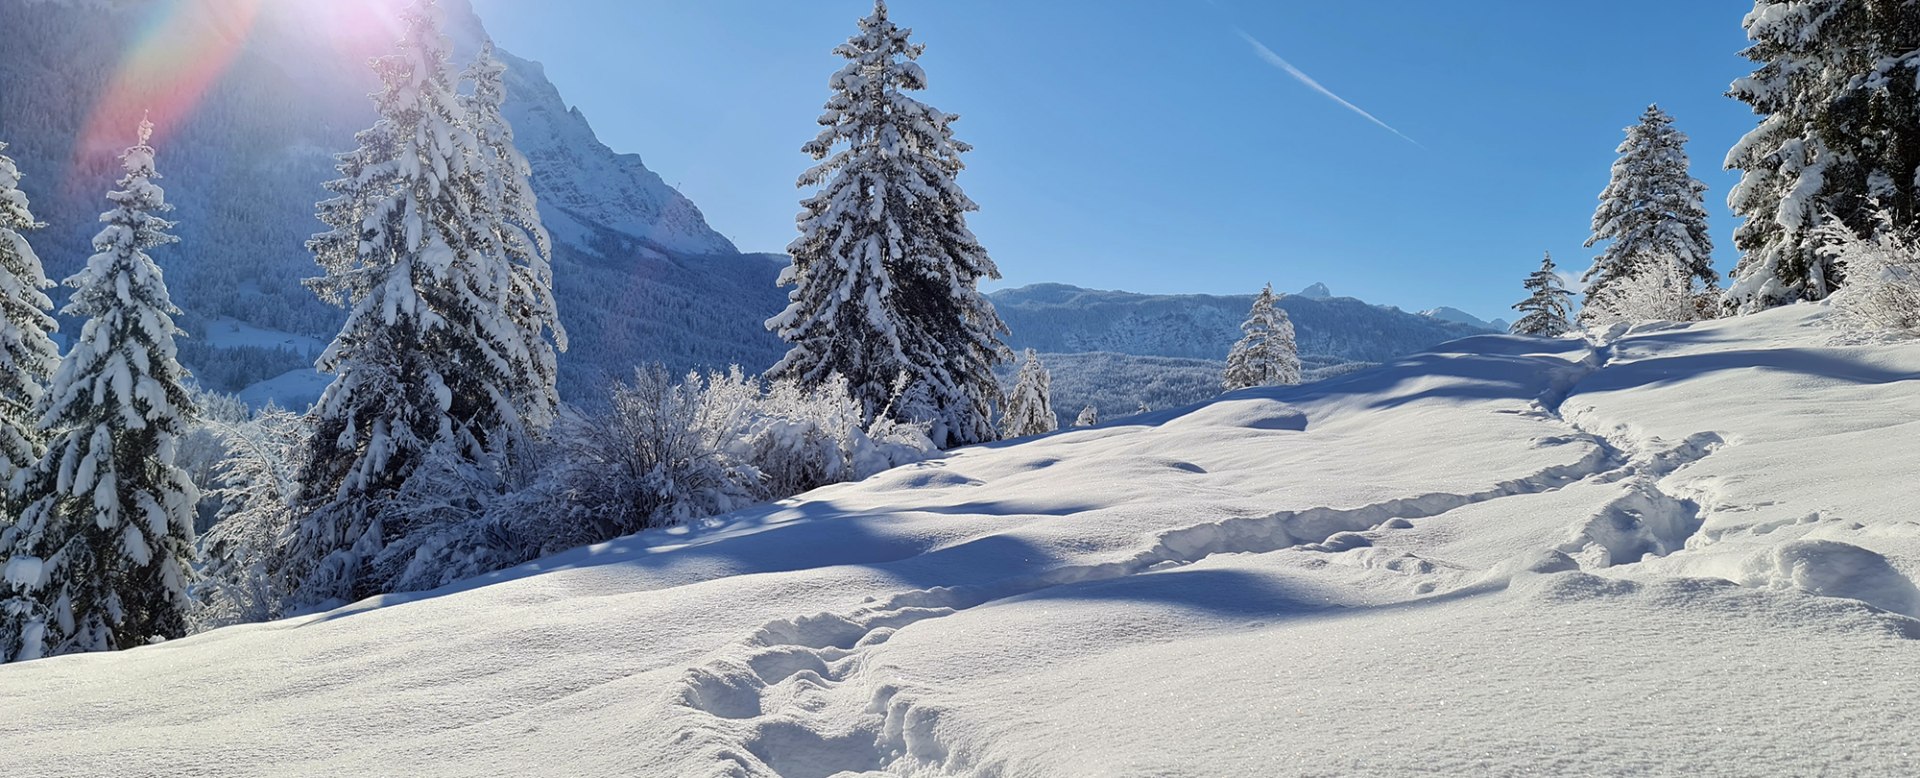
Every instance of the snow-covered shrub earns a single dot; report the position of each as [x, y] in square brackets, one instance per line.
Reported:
[1883, 277]
[256, 486]
[204, 448]
[799, 440]
[795, 440]
[452, 520]
[1089, 416]
[1659, 291]
[657, 455]
[663, 453]
[660, 452]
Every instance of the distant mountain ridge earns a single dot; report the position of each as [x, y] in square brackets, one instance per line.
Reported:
[1059, 318]
[1457, 316]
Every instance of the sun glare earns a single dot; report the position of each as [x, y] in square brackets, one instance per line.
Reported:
[356, 29]
[185, 46]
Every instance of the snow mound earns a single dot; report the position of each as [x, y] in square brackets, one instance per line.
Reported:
[1833, 569]
[1249, 413]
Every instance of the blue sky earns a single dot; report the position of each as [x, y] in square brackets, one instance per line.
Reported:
[1147, 145]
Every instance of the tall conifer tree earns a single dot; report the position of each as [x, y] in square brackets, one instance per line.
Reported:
[27, 354]
[428, 357]
[1839, 138]
[1651, 212]
[886, 274]
[100, 557]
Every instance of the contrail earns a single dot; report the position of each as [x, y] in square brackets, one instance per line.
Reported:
[1281, 63]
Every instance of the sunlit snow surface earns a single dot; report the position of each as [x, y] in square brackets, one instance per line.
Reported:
[1509, 557]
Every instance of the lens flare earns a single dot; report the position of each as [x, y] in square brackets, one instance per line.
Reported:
[354, 30]
[183, 48]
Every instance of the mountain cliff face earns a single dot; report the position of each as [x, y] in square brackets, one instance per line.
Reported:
[1066, 319]
[586, 187]
[253, 102]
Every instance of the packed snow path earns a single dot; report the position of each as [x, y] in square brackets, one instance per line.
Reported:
[1679, 550]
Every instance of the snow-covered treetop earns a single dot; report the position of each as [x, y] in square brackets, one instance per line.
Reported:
[397, 188]
[124, 298]
[14, 213]
[133, 224]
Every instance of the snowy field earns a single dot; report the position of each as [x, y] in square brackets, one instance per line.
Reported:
[1681, 551]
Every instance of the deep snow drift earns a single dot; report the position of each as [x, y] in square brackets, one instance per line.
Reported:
[1684, 550]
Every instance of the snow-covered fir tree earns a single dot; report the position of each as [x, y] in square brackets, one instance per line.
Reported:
[885, 273]
[1089, 416]
[1267, 355]
[1030, 405]
[27, 354]
[1546, 311]
[509, 215]
[1651, 209]
[100, 556]
[428, 358]
[1838, 139]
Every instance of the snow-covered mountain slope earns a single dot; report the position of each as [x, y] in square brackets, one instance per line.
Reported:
[1457, 316]
[255, 98]
[1683, 551]
[1058, 318]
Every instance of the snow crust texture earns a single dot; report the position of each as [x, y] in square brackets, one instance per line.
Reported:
[1671, 550]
